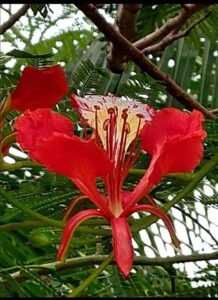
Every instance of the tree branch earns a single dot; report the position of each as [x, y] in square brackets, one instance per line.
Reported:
[144, 63]
[14, 18]
[214, 111]
[125, 23]
[174, 23]
[169, 39]
[98, 259]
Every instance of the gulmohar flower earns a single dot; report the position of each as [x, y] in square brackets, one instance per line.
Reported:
[121, 129]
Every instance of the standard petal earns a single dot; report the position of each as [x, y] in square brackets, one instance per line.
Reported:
[122, 244]
[40, 123]
[71, 226]
[39, 88]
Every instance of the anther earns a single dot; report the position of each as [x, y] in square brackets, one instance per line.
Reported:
[96, 107]
[110, 110]
[140, 116]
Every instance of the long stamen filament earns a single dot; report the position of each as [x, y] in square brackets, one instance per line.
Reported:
[121, 155]
[96, 124]
[131, 157]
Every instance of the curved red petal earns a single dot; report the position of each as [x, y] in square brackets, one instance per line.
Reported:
[168, 123]
[122, 243]
[39, 88]
[156, 211]
[71, 226]
[73, 157]
[40, 123]
[174, 139]
[48, 137]
[177, 154]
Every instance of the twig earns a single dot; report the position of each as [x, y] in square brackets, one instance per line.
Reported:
[174, 23]
[181, 176]
[214, 111]
[98, 259]
[144, 63]
[14, 18]
[197, 222]
[169, 39]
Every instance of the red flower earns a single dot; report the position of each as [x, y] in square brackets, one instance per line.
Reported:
[117, 125]
[39, 88]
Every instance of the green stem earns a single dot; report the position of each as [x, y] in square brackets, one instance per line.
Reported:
[32, 223]
[25, 224]
[29, 211]
[181, 176]
[20, 164]
[147, 221]
[8, 139]
[89, 279]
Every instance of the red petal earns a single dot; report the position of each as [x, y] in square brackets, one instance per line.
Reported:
[178, 154]
[168, 123]
[156, 211]
[39, 88]
[71, 226]
[82, 161]
[123, 249]
[73, 157]
[40, 123]
[174, 139]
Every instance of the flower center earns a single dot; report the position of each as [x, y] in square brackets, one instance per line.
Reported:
[118, 139]
[116, 123]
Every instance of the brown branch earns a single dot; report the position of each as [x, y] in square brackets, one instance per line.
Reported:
[99, 5]
[125, 23]
[139, 58]
[14, 18]
[169, 39]
[174, 23]
[214, 111]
